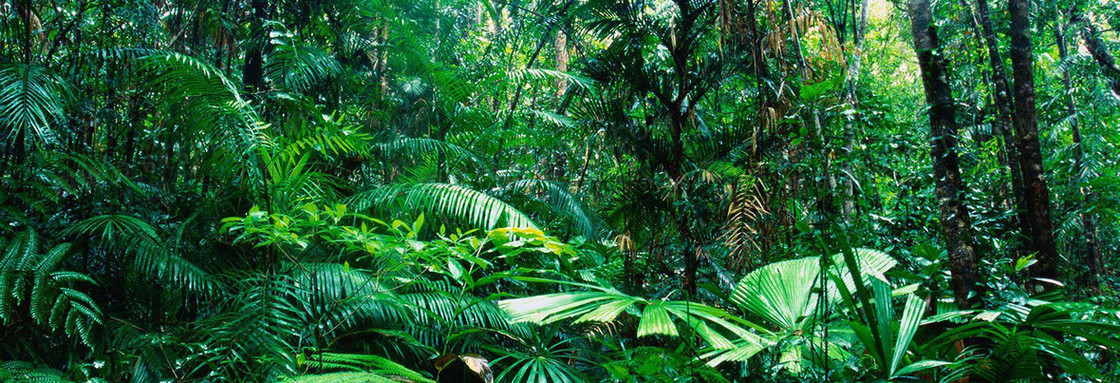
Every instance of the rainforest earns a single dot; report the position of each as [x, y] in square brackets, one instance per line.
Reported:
[462, 191]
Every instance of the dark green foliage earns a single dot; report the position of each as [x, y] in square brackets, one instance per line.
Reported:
[573, 190]
[34, 286]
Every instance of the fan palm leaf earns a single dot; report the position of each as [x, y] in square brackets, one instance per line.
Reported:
[655, 317]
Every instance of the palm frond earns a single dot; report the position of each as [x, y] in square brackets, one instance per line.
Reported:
[32, 100]
[561, 201]
[452, 202]
[299, 67]
[535, 74]
[24, 372]
[210, 103]
[419, 148]
[781, 292]
[151, 256]
[375, 367]
[719, 329]
[346, 377]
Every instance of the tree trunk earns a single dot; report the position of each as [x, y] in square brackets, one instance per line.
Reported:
[1088, 223]
[675, 169]
[680, 109]
[1100, 53]
[825, 204]
[562, 59]
[253, 75]
[26, 12]
[1026, 128]
[955, 222]
[1005, 116]
[848, 206]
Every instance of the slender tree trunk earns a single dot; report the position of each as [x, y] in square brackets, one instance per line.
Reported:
[1088, 222]
[1026, 128]
[679, 107]
[383, 60]
[28, 15]
[1099, 51]
[19, 146]
[761, 73]
[221, 48]
[562, 59]
[848, 207]
[675, 169]
[253, 75]
[540, 45]
[955, 221]
[1005, 116]
[825, 204]
[583, 169]
[514, 103]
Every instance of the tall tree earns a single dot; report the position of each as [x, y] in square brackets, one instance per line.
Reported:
[679, 98]
[1001, 93]
[1087, 220]
[1030, 156]
[955, 221]
[851, 97]
[673, 84]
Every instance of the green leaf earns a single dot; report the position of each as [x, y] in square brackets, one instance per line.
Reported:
[655, 321]
[908, 326]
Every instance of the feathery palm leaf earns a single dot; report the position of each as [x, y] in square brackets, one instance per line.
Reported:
[375, 368]
[561, 201]
[455, 203]
[299, 67]
[32, 99]
[151, 256]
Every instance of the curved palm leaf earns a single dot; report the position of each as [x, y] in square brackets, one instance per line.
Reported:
[453, 202]
[18, 371]
[207, 101]
[415, 147]
[655, 317]
[781, 292]
[31, 100]
[358, 368]
[152, 256]
[299, 67]
[561, 201]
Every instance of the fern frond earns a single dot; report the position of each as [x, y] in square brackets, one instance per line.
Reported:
[52, 295]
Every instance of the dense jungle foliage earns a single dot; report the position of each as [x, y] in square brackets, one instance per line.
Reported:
[559, 191]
